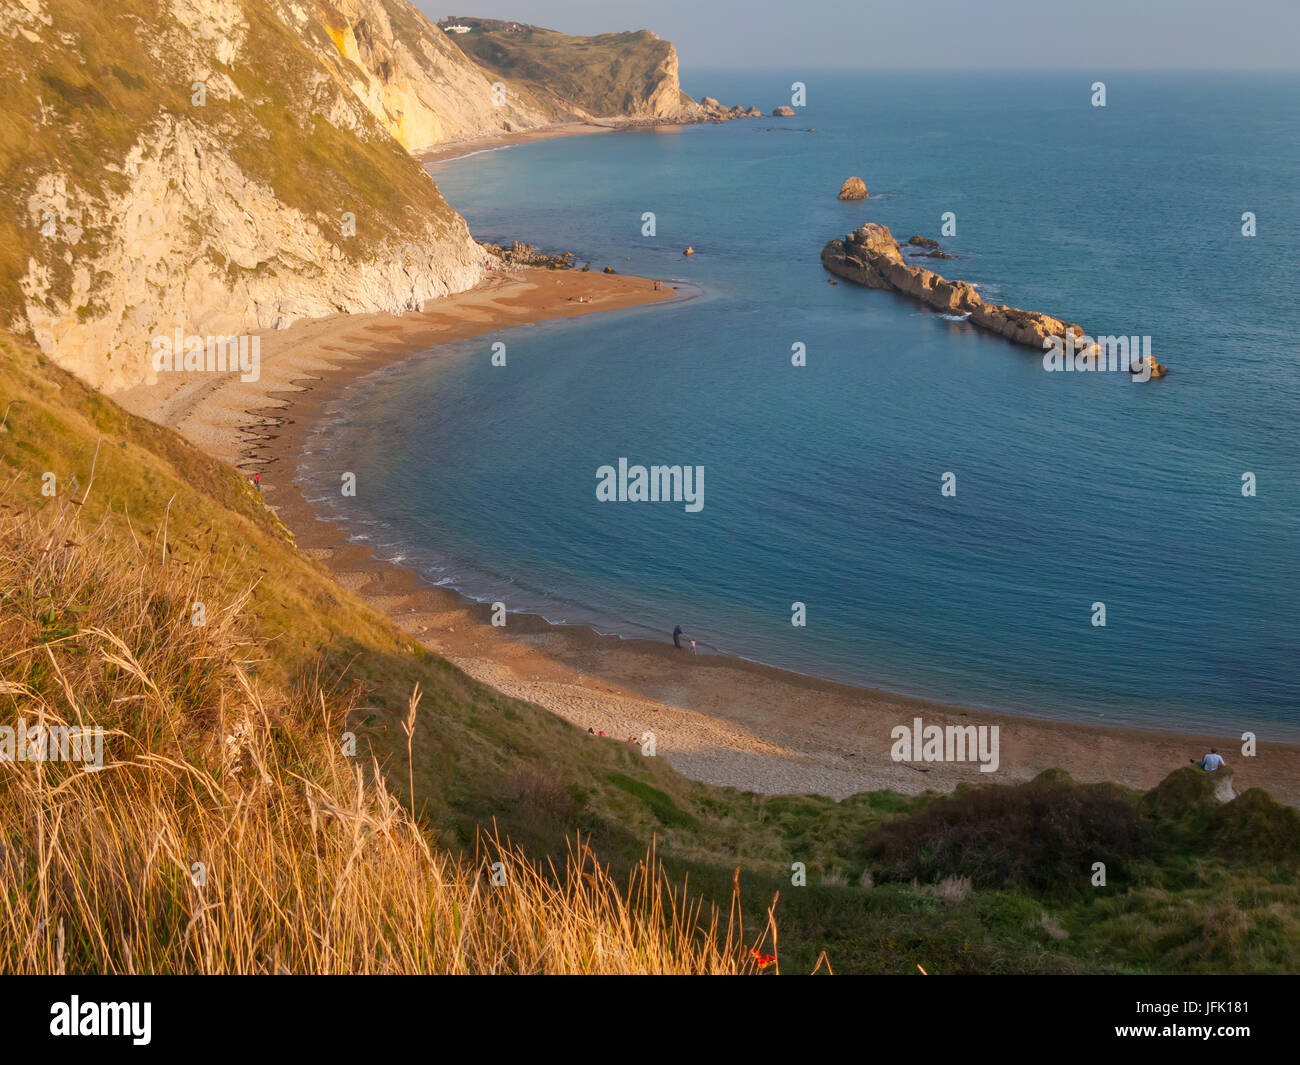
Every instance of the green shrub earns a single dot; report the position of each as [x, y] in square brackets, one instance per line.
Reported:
[1043, 835]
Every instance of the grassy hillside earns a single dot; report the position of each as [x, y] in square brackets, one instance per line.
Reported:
[226, 743]
[234, 731]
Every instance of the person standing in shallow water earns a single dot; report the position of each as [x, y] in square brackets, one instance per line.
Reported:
[677, 636]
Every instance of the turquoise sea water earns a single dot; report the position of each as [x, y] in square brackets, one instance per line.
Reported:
[822, 483]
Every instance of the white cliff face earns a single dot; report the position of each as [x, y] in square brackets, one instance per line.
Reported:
[220, 22]
[665, 101]
[24, 19]
[195, 168]
[411, 77]
[193, 242]
[176, 231]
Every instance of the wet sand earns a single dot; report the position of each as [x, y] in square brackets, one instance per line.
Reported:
[719, 720]
[458, 149]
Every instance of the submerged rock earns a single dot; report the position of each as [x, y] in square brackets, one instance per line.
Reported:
[927, 248]
[1158, 369]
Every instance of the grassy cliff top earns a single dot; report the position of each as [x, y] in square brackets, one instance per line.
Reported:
[604, 75]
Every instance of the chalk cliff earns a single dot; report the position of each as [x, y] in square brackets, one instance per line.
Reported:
[234, 165]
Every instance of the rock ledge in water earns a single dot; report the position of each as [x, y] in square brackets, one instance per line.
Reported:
[871, 256]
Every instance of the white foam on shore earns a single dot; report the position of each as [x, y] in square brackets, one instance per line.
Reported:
[477, 151]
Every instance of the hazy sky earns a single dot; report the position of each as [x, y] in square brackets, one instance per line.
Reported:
[955, 34]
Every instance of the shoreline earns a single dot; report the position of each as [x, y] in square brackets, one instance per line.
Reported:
[717, 719]
[446, 151]
[458, 149]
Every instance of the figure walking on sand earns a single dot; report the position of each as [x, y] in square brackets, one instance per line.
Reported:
[677, 636]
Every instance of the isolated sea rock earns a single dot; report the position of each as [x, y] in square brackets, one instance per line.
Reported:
[870, 256]
[689, 251]
[784, 111]
[1158, 369]
[854, 188]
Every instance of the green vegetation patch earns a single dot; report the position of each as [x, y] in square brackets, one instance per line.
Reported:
[658, 802]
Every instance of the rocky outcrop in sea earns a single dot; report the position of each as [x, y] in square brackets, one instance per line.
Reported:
[871, 256]
[522, 254]
[854, 188]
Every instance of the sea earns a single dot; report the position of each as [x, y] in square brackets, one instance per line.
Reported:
[891, 498]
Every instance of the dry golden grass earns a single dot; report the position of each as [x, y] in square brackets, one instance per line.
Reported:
[228, 832]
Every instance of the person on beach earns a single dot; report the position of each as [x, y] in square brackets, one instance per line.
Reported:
[677, 636]
[692, 647]
[1211, 761]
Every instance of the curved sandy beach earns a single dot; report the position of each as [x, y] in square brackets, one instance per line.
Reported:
[719, 720]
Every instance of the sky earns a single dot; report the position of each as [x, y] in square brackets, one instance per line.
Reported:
[933, 34]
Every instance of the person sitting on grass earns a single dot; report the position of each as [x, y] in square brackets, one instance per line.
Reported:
[1211, 761]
